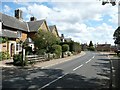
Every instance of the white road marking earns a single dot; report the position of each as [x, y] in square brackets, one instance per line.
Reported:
[53, 81]
[90, 59]
[77, 67]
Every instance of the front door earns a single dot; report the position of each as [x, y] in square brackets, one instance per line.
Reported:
[12, 51]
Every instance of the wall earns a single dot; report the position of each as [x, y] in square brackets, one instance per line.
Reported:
[44, 27]
[24, 36]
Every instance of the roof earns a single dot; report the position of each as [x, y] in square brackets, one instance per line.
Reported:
[51, 28]
[34, 25]
[13, 22]
[8, 34]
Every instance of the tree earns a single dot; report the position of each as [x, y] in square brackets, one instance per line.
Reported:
[116, 36]
[45, 40]
[90, 44]
[91, 47]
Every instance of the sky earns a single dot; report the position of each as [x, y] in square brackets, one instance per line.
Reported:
[83, 21]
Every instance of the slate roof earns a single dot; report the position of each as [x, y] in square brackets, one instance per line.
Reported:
[52, 27]
[13, 22]
[8, 34]
[34, 25]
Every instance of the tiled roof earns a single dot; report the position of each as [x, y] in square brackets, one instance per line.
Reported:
[13, 22]
[51, 28]
[34, 25]
[8, 34]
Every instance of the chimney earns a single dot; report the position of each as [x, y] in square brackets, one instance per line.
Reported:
[18, 14]
[33, 19]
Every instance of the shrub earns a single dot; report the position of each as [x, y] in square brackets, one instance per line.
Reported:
[28, 50]
[57, 49]
[4, 55]
[91, 48]
[17, 60]
[65, 47]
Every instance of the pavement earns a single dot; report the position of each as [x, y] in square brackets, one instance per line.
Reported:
[115, 69]
[9, 62]
[90, 71]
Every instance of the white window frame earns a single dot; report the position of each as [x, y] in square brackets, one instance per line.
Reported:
[19, 34]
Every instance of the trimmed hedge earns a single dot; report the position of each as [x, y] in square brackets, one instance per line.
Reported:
[57, 49]
[65, 47]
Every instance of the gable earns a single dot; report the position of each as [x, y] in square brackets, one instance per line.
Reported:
[53, 29]
[44, 26]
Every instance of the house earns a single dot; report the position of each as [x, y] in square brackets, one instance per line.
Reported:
[53, 29]
[63, 39]
[103, 47]
[16, 30]
[36, 25]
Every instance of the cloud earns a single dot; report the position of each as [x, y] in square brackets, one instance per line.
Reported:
[70, 19]
[6, 9]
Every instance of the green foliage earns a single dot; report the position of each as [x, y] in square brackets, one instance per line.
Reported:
[65, 47]
[91, 44]
[28, 50]
[45, 40]
[91, 48]
[116, 36]
[4, 55]
[41, 51]
[73, 46]
[3, 40]
[17, 60]
[57, 49]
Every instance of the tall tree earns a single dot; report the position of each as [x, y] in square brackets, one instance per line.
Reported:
[90, 44]
[116, 36]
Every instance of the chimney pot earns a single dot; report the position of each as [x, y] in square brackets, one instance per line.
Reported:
[18, 14]
[33, 19]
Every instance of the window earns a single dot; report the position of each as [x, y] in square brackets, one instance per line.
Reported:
[19, 34]
[18, 47]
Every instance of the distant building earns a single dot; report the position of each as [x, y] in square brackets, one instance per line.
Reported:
[103, 47]
[63, 39]
[84, 47]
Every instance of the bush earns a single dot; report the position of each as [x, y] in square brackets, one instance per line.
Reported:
[17, 60]
[65, 47]
[4, 55]
[91, 48]
[41, 52]
[28, 50]
[57, 49]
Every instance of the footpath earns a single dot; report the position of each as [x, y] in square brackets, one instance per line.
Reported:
[115, 66]
[45, 64]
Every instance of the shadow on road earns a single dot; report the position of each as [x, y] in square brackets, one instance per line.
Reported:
[35, 78]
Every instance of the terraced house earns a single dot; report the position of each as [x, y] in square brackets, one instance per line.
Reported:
[15, 29]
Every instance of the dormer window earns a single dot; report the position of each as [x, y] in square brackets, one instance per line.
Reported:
[19, 34]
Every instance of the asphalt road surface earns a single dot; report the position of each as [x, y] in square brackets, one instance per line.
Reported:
[91, 71]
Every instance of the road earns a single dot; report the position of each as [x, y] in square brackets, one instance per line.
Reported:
[91, 71]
